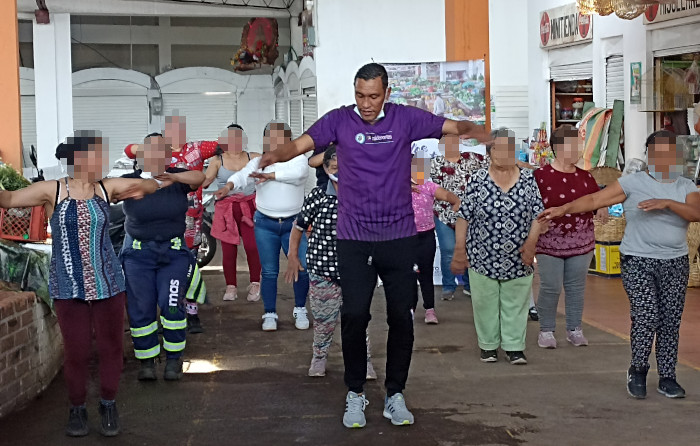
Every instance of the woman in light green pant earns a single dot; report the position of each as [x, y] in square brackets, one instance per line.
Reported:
[500, 216]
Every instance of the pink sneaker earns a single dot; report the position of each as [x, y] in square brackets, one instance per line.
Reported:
[231, 292]
[431, 317]
[576, 337]
[546, 339]
[254, 292]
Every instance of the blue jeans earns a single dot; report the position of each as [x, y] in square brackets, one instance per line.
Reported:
[446, 239]
[271, 234]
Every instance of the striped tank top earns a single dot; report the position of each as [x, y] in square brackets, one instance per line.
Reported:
[83, 262]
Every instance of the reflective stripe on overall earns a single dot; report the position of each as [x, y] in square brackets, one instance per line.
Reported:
[157, 274]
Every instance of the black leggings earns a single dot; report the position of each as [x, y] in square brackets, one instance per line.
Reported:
[425, 260]
[656, 289]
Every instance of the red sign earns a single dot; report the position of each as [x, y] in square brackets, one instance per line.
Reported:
[584, 25]
[651, 13]
[544, 29]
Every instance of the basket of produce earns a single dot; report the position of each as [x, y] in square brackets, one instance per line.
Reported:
[20, 224]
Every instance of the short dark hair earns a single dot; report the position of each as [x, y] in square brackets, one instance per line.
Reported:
[329, 154]
[559, 134]
[154, 134]
[651, 139]
[372, 71]
[235, 126]
[80, 141]
[284, 125]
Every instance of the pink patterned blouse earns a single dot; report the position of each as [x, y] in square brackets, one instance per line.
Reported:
[572, 234]
[423, 205]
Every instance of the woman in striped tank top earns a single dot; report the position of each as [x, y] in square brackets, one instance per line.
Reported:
[86, 279]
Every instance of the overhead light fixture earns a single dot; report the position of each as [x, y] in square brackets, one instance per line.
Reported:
[217, 93]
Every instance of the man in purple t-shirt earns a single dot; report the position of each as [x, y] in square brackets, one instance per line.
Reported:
[376, 229]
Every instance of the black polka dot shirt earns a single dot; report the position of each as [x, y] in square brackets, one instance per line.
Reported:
[320, 211]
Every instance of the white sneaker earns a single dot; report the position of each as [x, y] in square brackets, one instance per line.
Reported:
[254, 292]
[301, 319]
[396, 411]
[269, 322]
[231, 292]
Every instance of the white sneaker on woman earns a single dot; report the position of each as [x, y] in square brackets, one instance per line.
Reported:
[254, 292]
[269, 322]
[301, 319]
[231, 292]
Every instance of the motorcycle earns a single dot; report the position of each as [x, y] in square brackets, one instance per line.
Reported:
[207, 250]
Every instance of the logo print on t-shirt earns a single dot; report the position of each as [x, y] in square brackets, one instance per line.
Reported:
[360, 138]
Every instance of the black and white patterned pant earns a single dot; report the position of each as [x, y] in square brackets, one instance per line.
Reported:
[656, 290]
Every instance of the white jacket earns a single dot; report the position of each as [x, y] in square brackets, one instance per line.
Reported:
[281, 197]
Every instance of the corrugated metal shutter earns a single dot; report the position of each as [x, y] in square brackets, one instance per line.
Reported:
[571, 72]
[614, 80]
[310, 111]
[122, 119]
[207, 115]
[28, 110]
[512, 109]
[281, 110]
[295, 117]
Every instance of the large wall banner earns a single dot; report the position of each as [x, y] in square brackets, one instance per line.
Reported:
[455, 90]
[564, 25]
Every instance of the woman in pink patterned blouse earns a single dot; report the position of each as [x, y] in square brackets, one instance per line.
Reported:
[425, 193]
[565, 251]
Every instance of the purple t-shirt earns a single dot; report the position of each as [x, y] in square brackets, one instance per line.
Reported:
[374, 168]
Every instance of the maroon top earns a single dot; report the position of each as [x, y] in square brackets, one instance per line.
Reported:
[572, 234]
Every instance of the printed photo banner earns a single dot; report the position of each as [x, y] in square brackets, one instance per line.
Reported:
[455, 90]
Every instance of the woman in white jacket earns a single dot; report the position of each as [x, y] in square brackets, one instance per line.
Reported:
[279, 197]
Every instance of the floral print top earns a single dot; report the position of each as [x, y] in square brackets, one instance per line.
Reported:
[453, 178]
[570, 235]
[423, 198]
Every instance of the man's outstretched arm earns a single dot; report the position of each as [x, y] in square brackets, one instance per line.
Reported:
[290, 150]
[465, 129]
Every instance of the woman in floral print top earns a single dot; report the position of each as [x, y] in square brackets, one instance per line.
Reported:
[451, 172]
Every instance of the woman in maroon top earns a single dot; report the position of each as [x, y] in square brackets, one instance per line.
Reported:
[565, 251]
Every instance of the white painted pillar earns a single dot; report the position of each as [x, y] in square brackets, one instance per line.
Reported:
[53, 89]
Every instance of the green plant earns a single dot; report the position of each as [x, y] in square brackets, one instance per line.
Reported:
[10, 179]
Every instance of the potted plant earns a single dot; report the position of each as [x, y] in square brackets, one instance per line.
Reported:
[20, 224]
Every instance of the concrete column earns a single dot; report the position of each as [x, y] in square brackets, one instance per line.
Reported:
[10, 126]
[53, 89]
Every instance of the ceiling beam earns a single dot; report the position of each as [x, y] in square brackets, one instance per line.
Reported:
[155, 8]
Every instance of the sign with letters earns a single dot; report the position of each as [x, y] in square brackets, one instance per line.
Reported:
[564, 25]
[670, 11]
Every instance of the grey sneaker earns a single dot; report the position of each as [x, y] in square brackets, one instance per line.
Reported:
[576, 337]
[395, 410]
[355, 410]
[546, 339]
[318, 367]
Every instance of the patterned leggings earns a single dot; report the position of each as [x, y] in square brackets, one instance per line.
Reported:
[326, 298]
[656, 289]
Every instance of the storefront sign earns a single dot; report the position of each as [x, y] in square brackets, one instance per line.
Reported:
[565, 25]
[681, 8]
